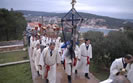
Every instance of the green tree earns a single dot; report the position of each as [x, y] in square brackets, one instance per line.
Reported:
[12, 24]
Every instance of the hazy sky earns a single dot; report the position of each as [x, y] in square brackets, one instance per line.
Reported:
[112, 8]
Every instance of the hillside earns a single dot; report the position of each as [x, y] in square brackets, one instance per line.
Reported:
[90, 20]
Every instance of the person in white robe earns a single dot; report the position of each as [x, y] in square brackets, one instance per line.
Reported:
[32, 45]
[43, 41]
[68, 63]
[47, 41]
[48, 60]
[78, 57]
[37, 58]
[119, 66]
[70, 60]
[130, 73]
[86, 55]
[57, 42]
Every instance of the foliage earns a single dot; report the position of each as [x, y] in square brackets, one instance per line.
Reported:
[12, 25]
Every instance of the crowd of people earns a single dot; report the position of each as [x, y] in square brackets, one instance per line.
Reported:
[48, 51]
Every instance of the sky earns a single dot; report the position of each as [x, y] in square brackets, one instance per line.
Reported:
[112, 8]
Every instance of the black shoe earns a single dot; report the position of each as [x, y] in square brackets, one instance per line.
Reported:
[69, 79]
[86, 75]
[38, 73]
[46, 80]
[76, 72]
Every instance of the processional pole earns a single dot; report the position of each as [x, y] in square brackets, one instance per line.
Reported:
[71, 23]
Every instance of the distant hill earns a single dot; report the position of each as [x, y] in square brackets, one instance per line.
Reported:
[90, 19]
[130, 20]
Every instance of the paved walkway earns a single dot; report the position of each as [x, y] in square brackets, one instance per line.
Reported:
[61, 77]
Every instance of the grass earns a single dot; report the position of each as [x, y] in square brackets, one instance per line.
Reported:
[16, 74]
[99, 72]
[13, 56]
[20, 73]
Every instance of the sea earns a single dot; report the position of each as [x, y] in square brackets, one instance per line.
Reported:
[103, 30]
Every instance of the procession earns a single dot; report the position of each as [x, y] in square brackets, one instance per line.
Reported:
[49, 41]
[49, 51]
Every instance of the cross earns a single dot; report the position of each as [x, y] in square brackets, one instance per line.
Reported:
[72, 13]
[73, 3]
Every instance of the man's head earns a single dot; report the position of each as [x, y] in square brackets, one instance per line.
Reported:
[128, 58]
[38, 46]
[87, 41]
[52, 45]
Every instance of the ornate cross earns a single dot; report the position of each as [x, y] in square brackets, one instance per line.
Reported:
[73, 3]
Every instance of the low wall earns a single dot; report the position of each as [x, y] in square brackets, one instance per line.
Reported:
[11, 48]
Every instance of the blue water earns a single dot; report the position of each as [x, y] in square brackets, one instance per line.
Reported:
[105, 31]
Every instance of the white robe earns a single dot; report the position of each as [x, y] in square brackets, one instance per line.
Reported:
[68, 60]
[36, 42]
[46, 59]
[32, 43]
[84, 54]
[31, 39]
[114, 69]
[32, 46]
[34, 54]
[130, 74]
[78, 56]
[37, 58]
[43, 41]
[116, 66]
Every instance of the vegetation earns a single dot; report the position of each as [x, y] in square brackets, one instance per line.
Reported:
[107, 48]
[12, 25]
[16, 74]
[13, 56]
[100, 73]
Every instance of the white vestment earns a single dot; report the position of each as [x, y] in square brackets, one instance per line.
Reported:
[84, 55]
[116, 66]
[68, 61]
[37, 58]
[43, 41]
[47, 59]
[78, 57]
[32, 45]
[130, 74]
[34, 54]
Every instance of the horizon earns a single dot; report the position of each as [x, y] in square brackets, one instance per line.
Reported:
[123, 10]
[77, 11]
